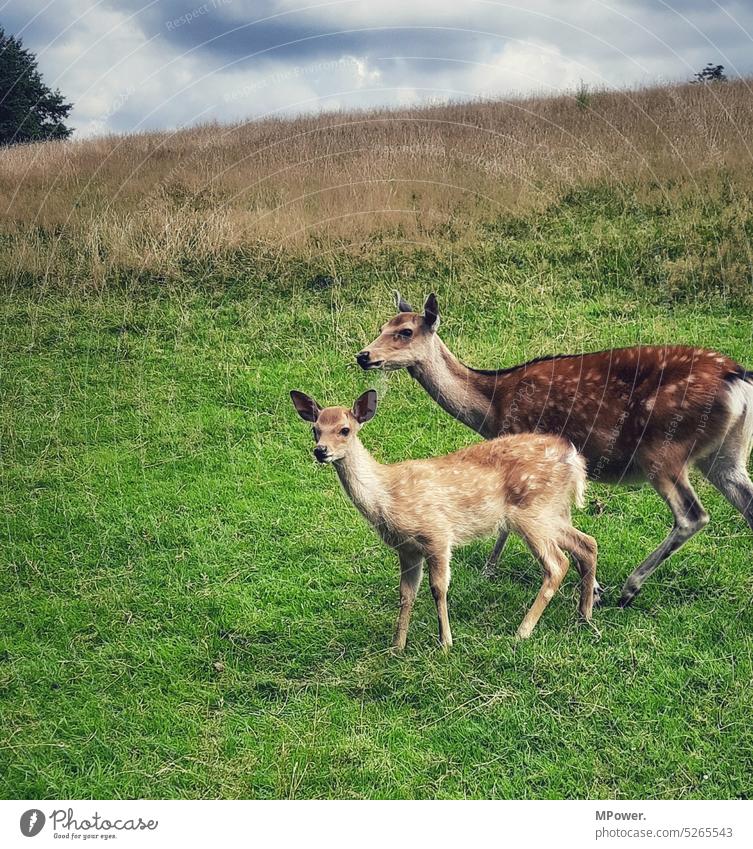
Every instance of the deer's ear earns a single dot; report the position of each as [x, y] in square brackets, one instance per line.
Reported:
[307, 408]
[402, 306]
[431, 312]
[365, 407]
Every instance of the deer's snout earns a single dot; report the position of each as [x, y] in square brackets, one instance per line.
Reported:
[363, 358]
[320, 452]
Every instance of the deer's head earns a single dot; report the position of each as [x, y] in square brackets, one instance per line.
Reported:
[406, 340]
[334, 428]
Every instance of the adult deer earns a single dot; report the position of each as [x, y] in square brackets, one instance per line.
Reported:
[424, 508]
[644, 413]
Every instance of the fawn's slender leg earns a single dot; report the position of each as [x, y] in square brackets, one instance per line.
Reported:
[690, 517]
[490, 567]
[439, 579]
[555, 565]
[583, 548]
[411, 571]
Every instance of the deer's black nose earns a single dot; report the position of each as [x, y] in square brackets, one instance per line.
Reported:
[320, 452]
[362, 358]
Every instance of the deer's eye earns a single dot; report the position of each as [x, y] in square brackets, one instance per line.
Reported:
[344, 431]
[406, 333]
[315, 432]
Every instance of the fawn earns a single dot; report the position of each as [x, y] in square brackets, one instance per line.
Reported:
[424, 508]
[646, 413]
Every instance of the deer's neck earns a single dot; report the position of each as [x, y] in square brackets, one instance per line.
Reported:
[363, 479]
[467, 395]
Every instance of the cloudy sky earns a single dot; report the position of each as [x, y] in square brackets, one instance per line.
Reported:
[144, 64]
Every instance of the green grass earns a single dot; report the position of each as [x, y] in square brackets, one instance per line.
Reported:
[190, 608]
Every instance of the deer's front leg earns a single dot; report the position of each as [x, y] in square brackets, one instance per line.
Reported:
[439, 578]
[411, 570]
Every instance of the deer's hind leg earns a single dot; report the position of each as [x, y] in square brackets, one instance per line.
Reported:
[690, 517]
[555, 565]
[727, 471]
[584, 550]
[490, 567]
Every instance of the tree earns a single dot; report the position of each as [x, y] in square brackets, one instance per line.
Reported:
[29, 110]
[711, 74]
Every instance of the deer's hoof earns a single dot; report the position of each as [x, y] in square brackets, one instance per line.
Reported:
[629, 592]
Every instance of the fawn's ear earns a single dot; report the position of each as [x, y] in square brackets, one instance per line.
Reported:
[431, 312]
[307, 408]
[365, 407]
[402, 306]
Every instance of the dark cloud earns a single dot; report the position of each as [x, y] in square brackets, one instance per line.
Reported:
[234, 31]
[194, 59]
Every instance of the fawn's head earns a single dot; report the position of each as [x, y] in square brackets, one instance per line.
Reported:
[406, 340]
[334, 428]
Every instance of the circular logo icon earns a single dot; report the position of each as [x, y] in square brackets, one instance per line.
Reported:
[32, 822]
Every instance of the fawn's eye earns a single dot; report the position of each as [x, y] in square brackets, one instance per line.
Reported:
[406, 333]
[316, 433]
[344, 431]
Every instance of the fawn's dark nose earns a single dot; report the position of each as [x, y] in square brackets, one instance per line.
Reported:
[362, 358]
[320, 452]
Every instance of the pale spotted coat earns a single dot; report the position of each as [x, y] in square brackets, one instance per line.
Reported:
[425, 508]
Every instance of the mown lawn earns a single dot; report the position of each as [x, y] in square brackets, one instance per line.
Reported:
[190, 608]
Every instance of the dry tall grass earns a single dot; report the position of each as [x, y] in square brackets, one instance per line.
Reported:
[85, 210]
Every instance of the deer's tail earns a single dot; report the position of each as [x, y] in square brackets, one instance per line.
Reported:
[580, 475]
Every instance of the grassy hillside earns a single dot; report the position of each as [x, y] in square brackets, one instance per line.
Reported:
[157, 206]
[190, 607]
